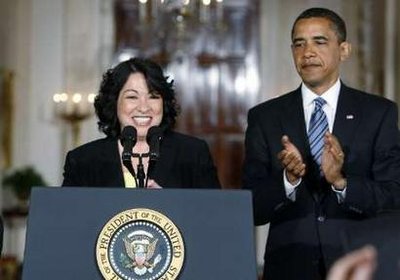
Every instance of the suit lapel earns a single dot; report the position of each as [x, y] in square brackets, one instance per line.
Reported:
[347, 118]
[293, 122]
[110, 170]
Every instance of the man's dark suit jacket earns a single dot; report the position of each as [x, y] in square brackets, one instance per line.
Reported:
[304, 235]
[185, 162]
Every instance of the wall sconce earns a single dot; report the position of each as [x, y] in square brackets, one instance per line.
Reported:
[73, 108]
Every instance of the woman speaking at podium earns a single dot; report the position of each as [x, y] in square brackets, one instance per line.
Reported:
[136, 110]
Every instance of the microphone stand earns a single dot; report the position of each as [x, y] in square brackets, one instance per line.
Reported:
[140, 170]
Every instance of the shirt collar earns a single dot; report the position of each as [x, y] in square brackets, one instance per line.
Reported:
[331, 96]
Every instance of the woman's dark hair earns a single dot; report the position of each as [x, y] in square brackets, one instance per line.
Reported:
[337, 22]
[114, 79]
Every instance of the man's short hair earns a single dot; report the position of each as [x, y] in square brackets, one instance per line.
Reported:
[337, 22]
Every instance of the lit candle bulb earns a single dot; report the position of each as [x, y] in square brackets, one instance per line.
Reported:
[77, 103]
[219, 10]
[142, 10]
[68, 107]
[57, 100]
[91, 98]
[154, 8]
[205, 10]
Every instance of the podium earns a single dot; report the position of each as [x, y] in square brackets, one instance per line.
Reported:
[69, 230]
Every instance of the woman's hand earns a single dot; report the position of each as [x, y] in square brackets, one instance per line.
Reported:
[151, 184]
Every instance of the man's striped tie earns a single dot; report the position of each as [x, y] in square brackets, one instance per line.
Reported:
[317, 129]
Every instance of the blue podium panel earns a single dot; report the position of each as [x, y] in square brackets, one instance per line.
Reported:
[65, 223]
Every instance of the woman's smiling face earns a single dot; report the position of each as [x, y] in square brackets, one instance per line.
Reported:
[138, 107]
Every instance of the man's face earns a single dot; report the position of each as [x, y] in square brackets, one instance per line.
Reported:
[317, 53]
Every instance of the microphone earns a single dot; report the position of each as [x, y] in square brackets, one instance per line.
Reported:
[154, 137]
[128, 140]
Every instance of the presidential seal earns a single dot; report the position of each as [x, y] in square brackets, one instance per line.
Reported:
[140, 244]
